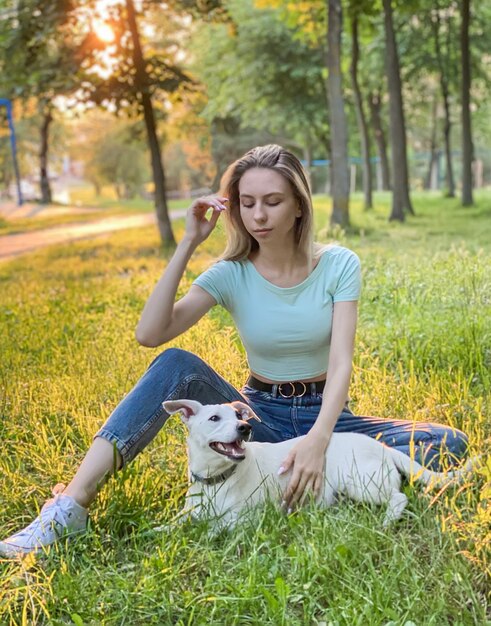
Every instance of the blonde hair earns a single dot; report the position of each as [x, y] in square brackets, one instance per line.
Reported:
[239, 242]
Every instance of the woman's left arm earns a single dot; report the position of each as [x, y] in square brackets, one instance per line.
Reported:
[308, 456]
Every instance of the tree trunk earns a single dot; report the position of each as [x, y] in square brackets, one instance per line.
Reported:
[446, 105]
[141, 81]
[448, 150]
[401, 201]
[433, 156]
[339, 131]
[375, 105]
[46, 196]
[360, 117]
[467, 148]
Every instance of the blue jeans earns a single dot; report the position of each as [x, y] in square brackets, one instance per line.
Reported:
[178, 374]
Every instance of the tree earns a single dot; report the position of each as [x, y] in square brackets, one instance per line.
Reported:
[259, 77]
[143, 87]
[434, 153]
[38, 60]
[135, 82]
[444, 85]
[401, 201]
[360, 113]
[308, 17]
[375, 105]
[430, 62]
[338, 126]
[467, 148]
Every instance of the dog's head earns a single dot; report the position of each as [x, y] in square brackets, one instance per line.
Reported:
[223, 428]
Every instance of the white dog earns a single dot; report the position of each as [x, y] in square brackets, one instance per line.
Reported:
[227, 473]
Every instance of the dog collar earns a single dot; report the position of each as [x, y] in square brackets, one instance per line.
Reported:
[214, 480]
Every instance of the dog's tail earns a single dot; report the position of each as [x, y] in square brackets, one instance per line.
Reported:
[415, 471]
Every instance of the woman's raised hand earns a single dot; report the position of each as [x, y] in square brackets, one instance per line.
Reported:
[198, 227]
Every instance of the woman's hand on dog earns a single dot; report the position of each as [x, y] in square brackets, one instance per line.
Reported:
[198, 227]
[307, 460]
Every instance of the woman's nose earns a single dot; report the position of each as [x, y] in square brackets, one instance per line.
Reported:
[259, 212]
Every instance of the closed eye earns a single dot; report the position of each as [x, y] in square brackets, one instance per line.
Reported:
[250, 206]
[214, 418]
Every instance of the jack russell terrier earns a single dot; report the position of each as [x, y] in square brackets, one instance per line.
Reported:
[227, 473]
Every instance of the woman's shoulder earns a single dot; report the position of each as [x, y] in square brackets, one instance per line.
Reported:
[227, 265]
[223, 269]
[334, 253]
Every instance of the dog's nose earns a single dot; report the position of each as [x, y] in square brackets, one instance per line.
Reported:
[243, 428]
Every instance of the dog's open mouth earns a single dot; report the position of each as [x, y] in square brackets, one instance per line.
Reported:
[234, 450]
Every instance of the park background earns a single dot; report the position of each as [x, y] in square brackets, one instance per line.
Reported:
[124, 108]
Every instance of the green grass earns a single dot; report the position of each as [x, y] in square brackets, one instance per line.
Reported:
[67, 318]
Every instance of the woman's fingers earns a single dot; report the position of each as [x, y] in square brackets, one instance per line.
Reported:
[295, 489]
[300, 488]
[287, 463]
[290, 490]
[202, 205]
[317, 489]
[197, 225]
[214, 218]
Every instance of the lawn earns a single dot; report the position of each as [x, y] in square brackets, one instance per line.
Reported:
[67, 319]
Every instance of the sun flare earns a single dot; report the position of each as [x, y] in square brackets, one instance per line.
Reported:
[103, 31]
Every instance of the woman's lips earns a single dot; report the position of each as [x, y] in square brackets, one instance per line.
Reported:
[263, 230]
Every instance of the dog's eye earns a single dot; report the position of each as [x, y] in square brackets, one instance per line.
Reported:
[214, 418]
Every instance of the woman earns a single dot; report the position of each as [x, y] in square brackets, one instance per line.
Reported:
[295, 306]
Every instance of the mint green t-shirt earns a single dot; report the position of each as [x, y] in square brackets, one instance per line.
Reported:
[286, 331]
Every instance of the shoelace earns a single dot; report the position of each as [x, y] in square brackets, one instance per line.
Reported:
[53, 516]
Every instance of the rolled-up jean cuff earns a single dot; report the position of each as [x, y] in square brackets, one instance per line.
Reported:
[121, 447]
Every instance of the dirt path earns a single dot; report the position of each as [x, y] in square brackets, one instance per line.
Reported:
[12, 246]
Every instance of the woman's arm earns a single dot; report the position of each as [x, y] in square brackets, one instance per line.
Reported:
[308, 456]
[340, 365]
[162, 318]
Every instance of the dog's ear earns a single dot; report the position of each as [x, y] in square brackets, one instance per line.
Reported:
[186, 408]
[245, 411]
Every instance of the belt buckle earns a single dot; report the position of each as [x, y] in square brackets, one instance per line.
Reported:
[292, 394]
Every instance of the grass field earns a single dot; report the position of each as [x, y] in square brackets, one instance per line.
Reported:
[68, 354]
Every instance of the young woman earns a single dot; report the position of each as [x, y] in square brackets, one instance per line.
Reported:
[295, 307]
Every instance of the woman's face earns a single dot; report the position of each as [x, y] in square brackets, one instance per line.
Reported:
[268, 207]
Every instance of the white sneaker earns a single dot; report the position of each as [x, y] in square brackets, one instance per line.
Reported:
[59, 517]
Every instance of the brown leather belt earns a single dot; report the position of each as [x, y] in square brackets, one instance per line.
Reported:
[291, 389]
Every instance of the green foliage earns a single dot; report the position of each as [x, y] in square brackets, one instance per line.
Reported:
[37, 55]
[256, 71]
[307, 19]
[120, 159]
[119, 86]
[67, 315]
